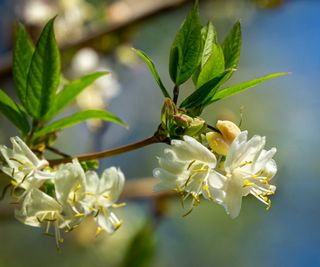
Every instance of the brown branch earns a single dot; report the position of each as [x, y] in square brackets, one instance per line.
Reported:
[109, 153]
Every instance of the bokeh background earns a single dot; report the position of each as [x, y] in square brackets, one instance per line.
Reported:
[94, 34]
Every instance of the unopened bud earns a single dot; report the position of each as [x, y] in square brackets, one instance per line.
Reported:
[228, 130]
[217, 143]
[196, 126]
[183, 120]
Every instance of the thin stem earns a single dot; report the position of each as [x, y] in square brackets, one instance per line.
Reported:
[57, 151]
[175, 94]
[108, 153]
[213, 128]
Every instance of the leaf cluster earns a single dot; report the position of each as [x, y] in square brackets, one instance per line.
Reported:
[37, 79]
[196, 53]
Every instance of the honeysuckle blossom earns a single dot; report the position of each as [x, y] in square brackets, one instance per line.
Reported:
[83, 194]
[23, 166]
[248, 169]
[185, 167]
[98, 197]
[69, 188]
[39, 209]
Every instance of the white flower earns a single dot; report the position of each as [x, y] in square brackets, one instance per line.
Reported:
[100, 196]
[185, 168]
[69, 189]
[23, 165]
[248, 169]
[82, 194]
[39, 209]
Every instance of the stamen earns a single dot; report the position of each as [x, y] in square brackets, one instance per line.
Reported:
[99, 231]
[191, 163]
[205, 188]
[120, 205]
[245, 163]
[17, 160]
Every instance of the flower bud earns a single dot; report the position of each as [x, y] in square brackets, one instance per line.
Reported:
[182, 120]
[217, 143]
[228, 130]
[196, 127]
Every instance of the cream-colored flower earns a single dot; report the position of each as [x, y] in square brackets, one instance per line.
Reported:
[101, 195]
[23, 166]
[185, 168]
[69, 190]
[39, 209]
[248, 168]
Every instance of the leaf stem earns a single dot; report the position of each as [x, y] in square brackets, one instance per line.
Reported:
[57, 151]
[112, 152]
[213, 128]
[175, 94]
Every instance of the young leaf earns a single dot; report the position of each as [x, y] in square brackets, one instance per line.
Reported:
[44, 73]
[70, 91]
[209, 37]
[243, 86]
[200, 98]
[22, 54]
[153, 70]
[77, 118]
[186, 49]
[232, 46]
[213, 67]
[9, 108]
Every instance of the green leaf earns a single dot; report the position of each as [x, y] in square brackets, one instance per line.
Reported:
[153, 70]
[70, 91]
[9, 108]
[44, 73]
[201, 97]
[213, 67]
[141, 249]
[22, 54]
[232, 46]
[209, 37]
[186, 49]
[243, 86]
[77, 118]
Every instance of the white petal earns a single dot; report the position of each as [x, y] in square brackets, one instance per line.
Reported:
[191, 149]
[264, 157]
[112, 183]
[38, 206]
[216, 186]
[109, 223]
[92, 182]
[68, 177]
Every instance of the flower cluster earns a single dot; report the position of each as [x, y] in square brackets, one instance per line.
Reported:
[60, 197]
[224, 169]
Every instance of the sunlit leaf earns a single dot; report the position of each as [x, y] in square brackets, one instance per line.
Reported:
[232, 47]
[22, 54]
[243, 86]
[153, 70]
[78, 118]
[201, 97]
[185, 53]
[213, 67]
[71, 91]
[9, 109]
[44, 73]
